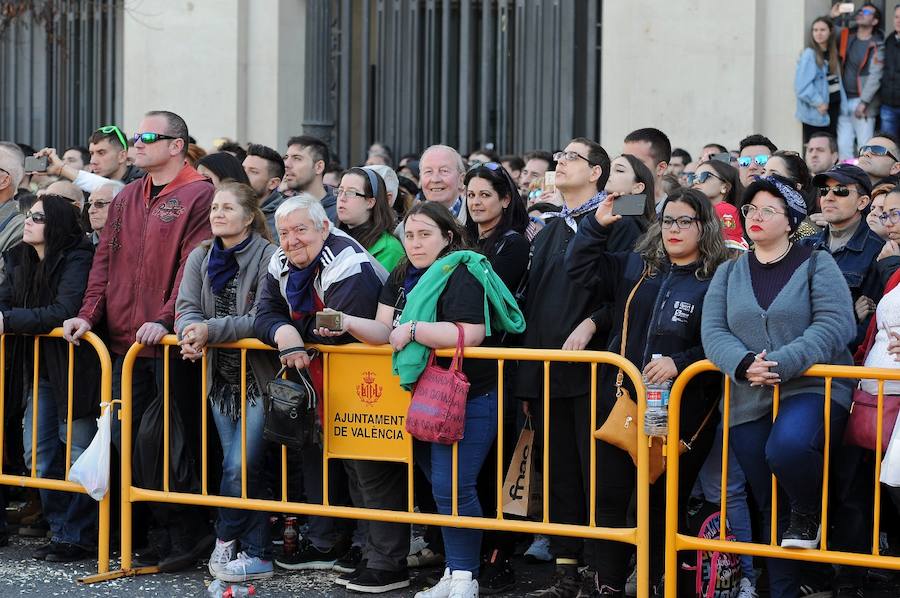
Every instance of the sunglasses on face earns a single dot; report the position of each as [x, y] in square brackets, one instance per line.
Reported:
[877, 150]
[99, 204]
[147, 138]
[745, 161]
[36, 217]
[702, 177]
[106, 130]
[893, 217]
[838, 190]
[866, 12]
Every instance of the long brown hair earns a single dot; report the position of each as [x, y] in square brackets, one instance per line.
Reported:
[833, 65]
[246, 197]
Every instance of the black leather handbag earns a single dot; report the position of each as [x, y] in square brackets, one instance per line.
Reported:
[291, 417]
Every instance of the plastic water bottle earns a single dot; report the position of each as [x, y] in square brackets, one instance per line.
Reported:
[289, 546]
[656, 417]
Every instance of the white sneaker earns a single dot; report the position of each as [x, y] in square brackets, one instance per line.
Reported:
[463, 586]
[441, 590]
[222, 554]
[747, 589]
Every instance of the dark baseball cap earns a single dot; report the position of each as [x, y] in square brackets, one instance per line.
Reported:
[847, 174]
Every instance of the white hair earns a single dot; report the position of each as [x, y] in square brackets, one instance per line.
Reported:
[304, 201]
[116, 186]
[12, 160]
[391, 182]
[460, 164]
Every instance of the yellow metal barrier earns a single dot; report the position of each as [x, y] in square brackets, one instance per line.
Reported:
[358, 374]
[676, 541]
[63, 485]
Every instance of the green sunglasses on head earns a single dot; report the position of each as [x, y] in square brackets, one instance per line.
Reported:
[106, 130]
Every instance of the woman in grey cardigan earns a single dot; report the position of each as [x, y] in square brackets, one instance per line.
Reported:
[217, 303]
[768, 316]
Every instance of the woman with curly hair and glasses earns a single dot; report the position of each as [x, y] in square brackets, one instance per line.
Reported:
[661, 285]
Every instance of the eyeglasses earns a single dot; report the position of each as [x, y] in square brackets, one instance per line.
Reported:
[760, 159]
[107, 129]
[838, 190]
[571, 156]
[99, 204]
[877, 150]
[682, 222]
[339, 193]
[702, 177]
[36, 217]
[765, 214]
[148, 138]
[893, 216]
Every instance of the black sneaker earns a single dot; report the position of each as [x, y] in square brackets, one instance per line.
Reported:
[591, 588]
[40, 553]
[803, 532]
[63, 552]
[344, 578]
[566, 584]
[309, 557]
[496, 575]
[350, 561]
[185, 553]
[376, 581]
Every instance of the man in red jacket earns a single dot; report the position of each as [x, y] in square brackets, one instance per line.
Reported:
[152, 226]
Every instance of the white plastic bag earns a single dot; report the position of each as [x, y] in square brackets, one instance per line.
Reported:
[890, 465]
[91, 468]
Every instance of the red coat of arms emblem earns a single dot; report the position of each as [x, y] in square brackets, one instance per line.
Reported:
[369, 392]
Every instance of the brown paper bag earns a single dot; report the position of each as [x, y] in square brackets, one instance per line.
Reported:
[517, 484]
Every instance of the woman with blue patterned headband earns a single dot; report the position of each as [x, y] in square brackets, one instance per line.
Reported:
[767, 317]
[366, 215]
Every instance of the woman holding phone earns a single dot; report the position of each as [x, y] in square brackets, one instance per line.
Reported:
[658, 291]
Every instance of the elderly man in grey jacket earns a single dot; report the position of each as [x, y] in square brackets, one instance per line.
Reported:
[12, 223]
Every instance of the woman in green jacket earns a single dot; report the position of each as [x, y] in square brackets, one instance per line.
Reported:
[365, 215]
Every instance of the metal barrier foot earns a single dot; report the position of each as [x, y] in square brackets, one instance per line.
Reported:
[89, 579]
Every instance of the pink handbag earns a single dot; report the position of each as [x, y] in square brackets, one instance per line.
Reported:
[437, 412]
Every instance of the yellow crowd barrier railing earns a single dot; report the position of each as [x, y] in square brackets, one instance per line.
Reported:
[676, 541]
[358, 379]
[32, 480]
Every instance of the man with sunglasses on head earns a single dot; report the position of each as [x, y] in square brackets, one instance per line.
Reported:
[109, 161]
[861, 50]
[754, 154]
[153, 225]
[878, 157]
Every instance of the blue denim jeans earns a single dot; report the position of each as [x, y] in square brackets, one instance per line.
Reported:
[72, 516]
[890, 119]
[791, 447]
[463, 546]
[737, 509]
[250, 527]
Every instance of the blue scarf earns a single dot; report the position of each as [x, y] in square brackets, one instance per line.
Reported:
[413, 275]
[300, 288]
[223, 264]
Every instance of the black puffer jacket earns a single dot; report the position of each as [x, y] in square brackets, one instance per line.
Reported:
[42, 311]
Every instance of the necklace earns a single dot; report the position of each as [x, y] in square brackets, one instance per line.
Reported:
[779, 258]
